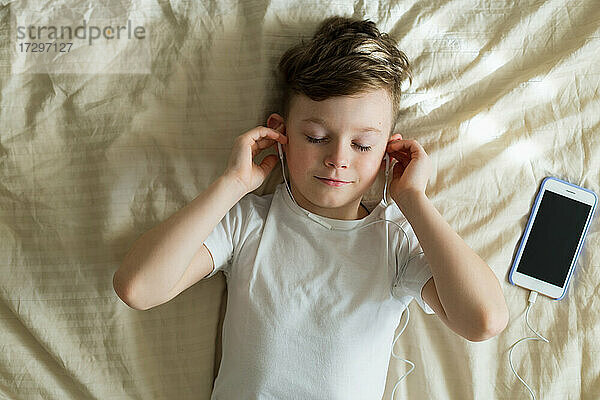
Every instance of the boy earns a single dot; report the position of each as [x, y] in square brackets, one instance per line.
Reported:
[316, 288]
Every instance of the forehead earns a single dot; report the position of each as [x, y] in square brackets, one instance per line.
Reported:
[371, 109]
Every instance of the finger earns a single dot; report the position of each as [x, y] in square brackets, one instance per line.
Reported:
[410, 146]
[257, 148]
[265, 143]
[402, 141]
[396, 147]
[399, 143]
[261, 137]
[402, 160]
[264, 132]
[399, 150]
[400, 166]
[268, 163]
[403, 156]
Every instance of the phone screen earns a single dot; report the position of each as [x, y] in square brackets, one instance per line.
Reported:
[553, 238]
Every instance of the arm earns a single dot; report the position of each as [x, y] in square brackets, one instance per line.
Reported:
[464, 292]
[167, 258]
[464, 286]
[160, 257]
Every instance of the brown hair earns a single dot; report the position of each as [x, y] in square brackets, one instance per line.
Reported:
[345, 56]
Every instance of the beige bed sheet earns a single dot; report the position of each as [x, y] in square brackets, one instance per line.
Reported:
[505, 93]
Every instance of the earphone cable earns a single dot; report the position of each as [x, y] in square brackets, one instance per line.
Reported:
[532, 298]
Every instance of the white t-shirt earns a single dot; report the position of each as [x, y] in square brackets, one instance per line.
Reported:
[311, 312]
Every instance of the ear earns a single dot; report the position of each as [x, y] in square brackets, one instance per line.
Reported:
[276, 122]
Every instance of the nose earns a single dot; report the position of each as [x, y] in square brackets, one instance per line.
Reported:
[338, 158]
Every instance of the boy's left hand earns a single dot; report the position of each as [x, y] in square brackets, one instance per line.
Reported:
[412, 171]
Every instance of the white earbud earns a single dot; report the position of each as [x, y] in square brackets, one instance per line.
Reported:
[283, 171]
[387, 172]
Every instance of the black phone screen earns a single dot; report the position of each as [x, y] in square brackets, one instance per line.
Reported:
[553, 239]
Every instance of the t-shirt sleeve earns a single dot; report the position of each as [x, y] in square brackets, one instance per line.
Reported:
[224, 238]
[414, 275]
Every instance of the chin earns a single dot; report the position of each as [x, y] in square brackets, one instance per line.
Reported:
[331, 199]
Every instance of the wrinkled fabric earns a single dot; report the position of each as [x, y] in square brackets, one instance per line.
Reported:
[504, 94]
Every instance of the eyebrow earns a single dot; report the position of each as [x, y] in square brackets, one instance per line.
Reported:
[366, 129]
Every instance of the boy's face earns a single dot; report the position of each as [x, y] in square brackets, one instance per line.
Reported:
[339, 124]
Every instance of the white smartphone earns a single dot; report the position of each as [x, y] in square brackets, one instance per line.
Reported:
[554, 235]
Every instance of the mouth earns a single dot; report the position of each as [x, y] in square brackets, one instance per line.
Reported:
[333, 182]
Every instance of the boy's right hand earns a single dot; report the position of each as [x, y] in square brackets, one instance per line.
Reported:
[241, 165]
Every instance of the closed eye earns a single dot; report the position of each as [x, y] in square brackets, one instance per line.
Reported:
[359, 147]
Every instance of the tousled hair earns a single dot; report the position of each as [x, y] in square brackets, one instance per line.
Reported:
[346, 56]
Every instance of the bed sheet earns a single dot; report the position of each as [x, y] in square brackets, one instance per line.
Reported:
[505, 93]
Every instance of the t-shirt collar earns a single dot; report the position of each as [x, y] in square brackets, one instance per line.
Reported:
[343, 224]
